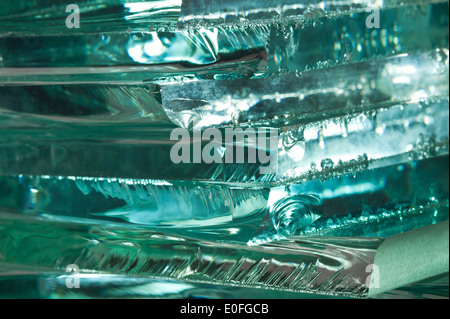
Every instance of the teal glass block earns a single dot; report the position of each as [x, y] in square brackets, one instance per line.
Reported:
[317, 140]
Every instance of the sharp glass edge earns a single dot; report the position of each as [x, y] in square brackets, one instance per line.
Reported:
[145, 15]
[298, 153]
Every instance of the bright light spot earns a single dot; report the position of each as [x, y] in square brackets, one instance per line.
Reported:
[332, 129]
[419, 95]
[401, 80]
[149, 5]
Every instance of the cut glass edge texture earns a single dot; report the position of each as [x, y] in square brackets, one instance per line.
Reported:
[352, 122]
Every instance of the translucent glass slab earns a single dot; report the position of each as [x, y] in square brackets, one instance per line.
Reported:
[301, 99]
[140, 15]
[30, 284]
[299, 266]
[376, 203]
[222, 51]
[323, 42]
[314, 95]
[47, 17]
[43, 106]
[354, 121]
[138, 202]
[318, 150]
[387, 137]
[381, 202]
[133, 57]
